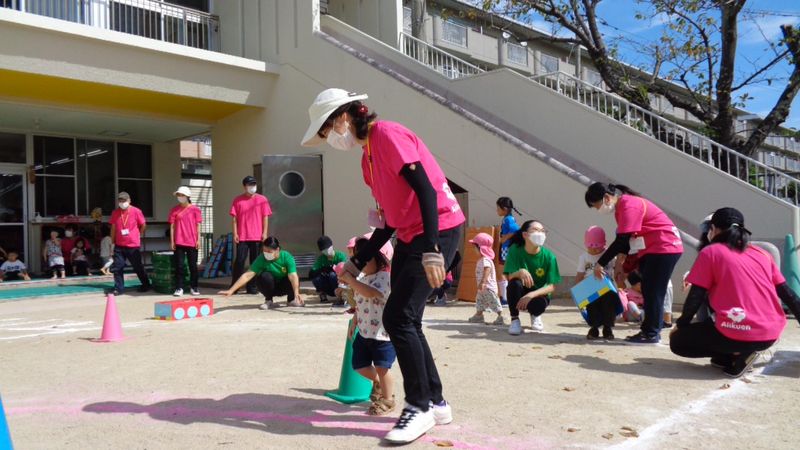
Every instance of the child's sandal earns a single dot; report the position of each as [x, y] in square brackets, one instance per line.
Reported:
[381, 407]
[375, 395]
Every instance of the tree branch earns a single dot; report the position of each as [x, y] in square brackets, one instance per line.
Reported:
[760, 71]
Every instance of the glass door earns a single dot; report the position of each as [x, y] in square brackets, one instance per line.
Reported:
[13, 217]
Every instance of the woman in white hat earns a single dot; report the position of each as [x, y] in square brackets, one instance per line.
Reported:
[413, 200]
[184, 235]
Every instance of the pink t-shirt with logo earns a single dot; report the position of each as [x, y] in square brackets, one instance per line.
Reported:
[130, 219]
[185, 220]
[393, 146]
[644, 219]
[741, 291]
[250, 212]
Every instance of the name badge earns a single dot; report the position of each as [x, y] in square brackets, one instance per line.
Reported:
[375, 219]
[124, 232]
[637, 244]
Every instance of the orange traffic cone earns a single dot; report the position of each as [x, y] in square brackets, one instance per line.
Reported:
[112, 328]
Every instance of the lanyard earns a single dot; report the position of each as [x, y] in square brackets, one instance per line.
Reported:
[124, 218]
[372, 173]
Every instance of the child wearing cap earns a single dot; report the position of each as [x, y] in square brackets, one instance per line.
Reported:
[601, 312]
[486, 278]
[322, 275]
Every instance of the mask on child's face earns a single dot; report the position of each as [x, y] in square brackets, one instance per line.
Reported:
[329, 251]
[68, 233]
[182, 199]
[537, 238]
[269, 256]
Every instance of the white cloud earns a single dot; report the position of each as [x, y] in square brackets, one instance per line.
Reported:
[654, 22]
[760, 30]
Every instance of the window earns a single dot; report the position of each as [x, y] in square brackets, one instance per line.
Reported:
[454, 33]
[74, 176]
[12, 148]
[517, 54]
[594, 78]
[549, 63]
[407, 19]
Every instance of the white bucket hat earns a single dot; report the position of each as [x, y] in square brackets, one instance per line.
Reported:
[323, 106]
[183, 190]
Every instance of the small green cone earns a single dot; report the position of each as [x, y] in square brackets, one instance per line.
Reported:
[789, 264]
[5, 437]
[353, 388]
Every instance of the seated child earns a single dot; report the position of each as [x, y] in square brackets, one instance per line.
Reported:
[373, 352]
[485, 276]
[80, 264]
[13, 268]
[53, 255]
[601, 312]
[633, 311]
[322, 275]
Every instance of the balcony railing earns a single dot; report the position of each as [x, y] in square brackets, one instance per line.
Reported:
[153, 19]
[438, 60]
[774, 182]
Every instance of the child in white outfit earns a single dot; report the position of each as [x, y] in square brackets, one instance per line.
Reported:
[485, 276]
[106, 252]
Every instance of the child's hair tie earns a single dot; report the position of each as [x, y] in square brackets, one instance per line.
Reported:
[363, 110]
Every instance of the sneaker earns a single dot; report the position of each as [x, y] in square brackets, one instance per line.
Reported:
[442, 413]
[476, 319]
[740, 365]
[593, 334]
[323, 297]
[295, 303]
[412, 424]
[195, 291]
[536, 323]
[503, 302]
[441, 301]
[608, 334]
[268, 304]
[641, 338]
[178, 292]
[112, 292]
[515, 329]
[720, 362]
[499, 321]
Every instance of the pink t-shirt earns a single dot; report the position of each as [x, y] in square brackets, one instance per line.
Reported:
[741, 291]
[130, 219]
[250, 212]
[392, 146]
[185, 221]
[644, 219]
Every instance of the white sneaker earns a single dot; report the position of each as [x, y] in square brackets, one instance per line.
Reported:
[195, 292]
[412, 424]
[536, 323]
[515, 328]
[178, 292]
[442, 414]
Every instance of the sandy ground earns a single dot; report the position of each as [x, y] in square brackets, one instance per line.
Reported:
[246, 378]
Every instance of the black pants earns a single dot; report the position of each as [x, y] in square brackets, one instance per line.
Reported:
[703, 340]
[326, 283]
[243, 248]
[656, 270]
[181, 252]
[81, 267]
[515, 291]
[270, 288]
[603, 311]
[133, 255]
[402, 318]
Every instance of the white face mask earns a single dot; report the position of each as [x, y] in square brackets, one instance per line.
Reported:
[124, 205]
[607, 208]
[537, 238]
[329, 251]
[252, 189]
[269, 256]
[182, 199]
[344, 141]
[68, 233]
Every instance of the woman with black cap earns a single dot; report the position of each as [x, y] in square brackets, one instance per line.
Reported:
[414, 200]
[642, 228]
[742, 286]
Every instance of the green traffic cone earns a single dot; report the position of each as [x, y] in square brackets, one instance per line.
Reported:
[5, 437]
[353, 388]
[789, 264]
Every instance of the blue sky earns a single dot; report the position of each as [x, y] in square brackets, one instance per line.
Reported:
[755, 31]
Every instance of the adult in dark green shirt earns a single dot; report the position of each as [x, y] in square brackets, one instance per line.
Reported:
[532, 272]
[275, 273]
[322, 275]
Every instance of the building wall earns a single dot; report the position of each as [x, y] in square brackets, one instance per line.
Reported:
[166, 177]
[382, 19]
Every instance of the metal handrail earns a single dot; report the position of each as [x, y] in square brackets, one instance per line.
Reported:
[774, 182]
[155, 19]
[448, 65]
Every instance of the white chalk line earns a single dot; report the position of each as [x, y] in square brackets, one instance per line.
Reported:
[55, 330]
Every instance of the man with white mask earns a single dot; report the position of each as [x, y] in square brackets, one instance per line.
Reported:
[532, 272]
[250, 212]
[127, 227]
